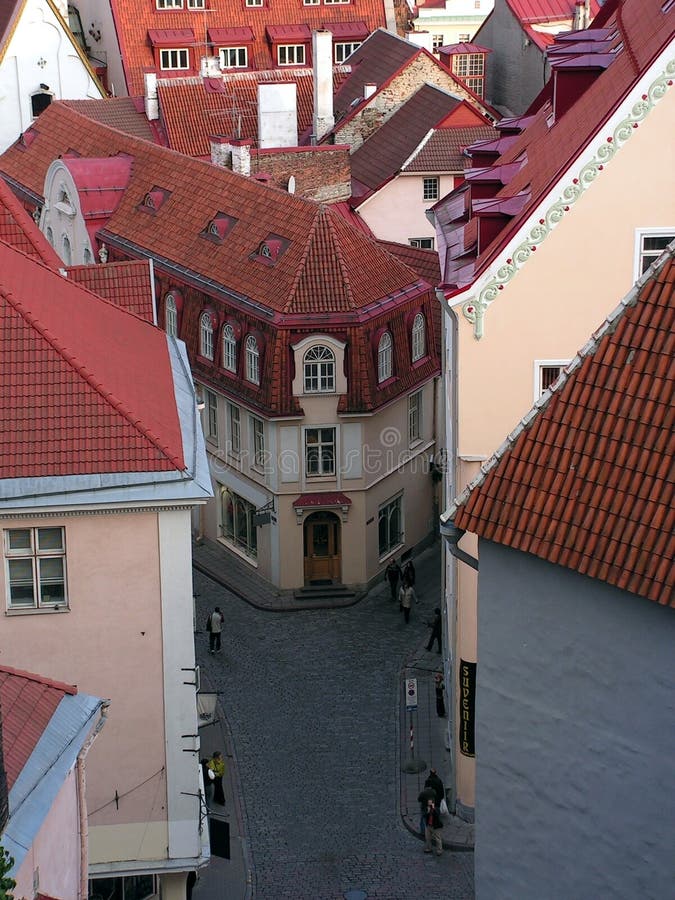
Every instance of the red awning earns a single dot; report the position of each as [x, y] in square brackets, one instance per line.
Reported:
[171, 37]
[347, 30]
[288, 34]
[221, 36]
[321, 499]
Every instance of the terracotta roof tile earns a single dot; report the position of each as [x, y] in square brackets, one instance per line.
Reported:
[134, 21]
[19, 230]
[123, 113]
[443, 152]
[600, 499]
[126, 284]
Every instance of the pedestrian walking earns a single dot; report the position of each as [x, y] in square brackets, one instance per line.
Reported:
[407, 598]
[207, 778]
[436, 627]
[408, 575]
[440, 696]
[392, 574]
[214, 626]
[432, 829]
[435, 783]
[426, 794]
[217, 766]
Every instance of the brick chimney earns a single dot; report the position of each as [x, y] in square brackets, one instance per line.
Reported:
[231, 153]
[322, 56]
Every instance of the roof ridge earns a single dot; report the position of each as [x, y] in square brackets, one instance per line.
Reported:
[300, 269]
[118, 405]
[41, 679]
[340, 256]
[587, 350]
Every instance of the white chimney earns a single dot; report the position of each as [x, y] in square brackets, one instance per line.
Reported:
[241, 157]
[421, 39]
[231, 153]
[210, 67]
[322, 53]
[277, 115]
[151, 102]
[579, 16]
[369, 90]
[587, 13]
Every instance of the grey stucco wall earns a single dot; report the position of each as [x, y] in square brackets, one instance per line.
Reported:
[575, 713]
[516, 69]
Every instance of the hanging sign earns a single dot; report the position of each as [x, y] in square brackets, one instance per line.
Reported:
[467, 707]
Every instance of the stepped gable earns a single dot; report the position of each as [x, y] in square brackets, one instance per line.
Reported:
[195, 192]
[631, 37]
[127, 284]
[134, 21]
[85, 388]
[586, 482]
[28, 703]
[19, 230]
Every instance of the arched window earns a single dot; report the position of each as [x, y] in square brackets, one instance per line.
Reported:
[67, 254]
[252, 360]
[206, 335]
[419, 338]
[88, 260]
[319, 370]
[171, 315]
[49, 234]
[384, 368]
[229, 349]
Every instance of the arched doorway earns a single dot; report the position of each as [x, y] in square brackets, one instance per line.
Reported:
[323, 560]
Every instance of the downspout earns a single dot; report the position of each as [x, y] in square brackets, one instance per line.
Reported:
[453, 535]
[83, 892]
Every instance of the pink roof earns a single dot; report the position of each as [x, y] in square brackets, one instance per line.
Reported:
[535, 11]
[133, 21]
[452, 49]
[19, 230]
[85, 388]
[27, 702]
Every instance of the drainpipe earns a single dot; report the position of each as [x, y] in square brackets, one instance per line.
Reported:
[83, 892]
[453, 535]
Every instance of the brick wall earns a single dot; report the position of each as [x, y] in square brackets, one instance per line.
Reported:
[320, 174]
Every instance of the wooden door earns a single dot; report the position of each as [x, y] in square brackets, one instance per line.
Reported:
[322, 548]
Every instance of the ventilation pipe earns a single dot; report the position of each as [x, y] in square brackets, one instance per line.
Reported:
[322, 55]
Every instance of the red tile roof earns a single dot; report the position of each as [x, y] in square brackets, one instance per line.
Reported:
[27, 703]
[75, 396]
[126, 284]
[638, 35]
[443, 152]
[19, 230]
[124, 113]
[192, 112]
[545, 12]
[134, 21]
[424, 262]
[587, 483]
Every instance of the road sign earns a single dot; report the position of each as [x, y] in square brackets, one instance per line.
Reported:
[411, 693]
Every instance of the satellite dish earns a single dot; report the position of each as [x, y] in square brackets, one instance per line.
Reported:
[291, 184]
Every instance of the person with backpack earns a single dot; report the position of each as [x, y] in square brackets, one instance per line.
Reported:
[214, 626]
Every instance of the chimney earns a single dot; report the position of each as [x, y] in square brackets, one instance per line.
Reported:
[277, 115]
[422, 39]
[369, 90]
[231, 153]
[322, 54]
[587, 13]
[579, 16]
[151, 102]
[210, 67]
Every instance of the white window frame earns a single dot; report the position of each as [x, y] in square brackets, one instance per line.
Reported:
[539, 366]
[252, 360]
[415, 405]
[196, 4]
[292, 54]
[224, 52]
[325, 449]
[211, 415]
[385, 354]
[183, 56]
[257, 442]
[425, 243]
[206, 335]
[419, 337]
[229, 349]
[437, 41]
[385, 511]
[640, 253]
[255, 2]
[344, 49]
[318, 370]
[171, 315]
[169, 4]
[463, 38]
[234, 423]
[336, 2]
[311, 2]
[35, 554]
[430, 188]
[240, 507]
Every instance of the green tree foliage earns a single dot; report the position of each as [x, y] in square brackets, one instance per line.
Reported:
[6, 883]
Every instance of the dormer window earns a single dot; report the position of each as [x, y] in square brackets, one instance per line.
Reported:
[271, 249]
[252, 360]
[154, 199]
[206, 335]
[419, 338]
[219, 227]
[169, 4]
[319, 370]
[384, 357]
[229, 349]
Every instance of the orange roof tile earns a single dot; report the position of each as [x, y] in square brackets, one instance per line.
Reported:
[587, 481]
[126, 284]
[19, 230]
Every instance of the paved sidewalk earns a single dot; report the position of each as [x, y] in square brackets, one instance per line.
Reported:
[429, 731]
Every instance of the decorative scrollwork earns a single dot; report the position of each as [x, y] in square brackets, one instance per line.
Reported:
[475, 308]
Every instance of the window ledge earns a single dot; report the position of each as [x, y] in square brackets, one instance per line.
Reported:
[240, 553]
[32, 611]
[390, 554]
[414, 444]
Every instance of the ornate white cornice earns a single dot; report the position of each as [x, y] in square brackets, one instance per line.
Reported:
[475, 307]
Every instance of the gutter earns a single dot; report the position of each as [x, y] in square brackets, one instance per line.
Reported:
[453, 535]
[83, 892]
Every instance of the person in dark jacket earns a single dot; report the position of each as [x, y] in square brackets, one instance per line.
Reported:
[427, 794]
[392, 574]
[408, 576]
[432, 829]
[436, 627]
[434, 782]
[440, 696]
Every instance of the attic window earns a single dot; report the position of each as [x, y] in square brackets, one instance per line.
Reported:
[40, 101]
[271, 249]
[154, 199]
[219, 227]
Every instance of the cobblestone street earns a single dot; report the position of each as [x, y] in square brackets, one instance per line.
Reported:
[311, 699]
